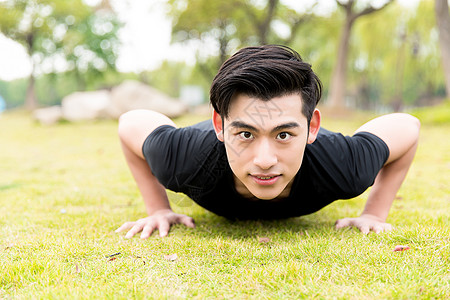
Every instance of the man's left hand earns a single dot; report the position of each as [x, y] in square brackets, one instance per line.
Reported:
[365, 223]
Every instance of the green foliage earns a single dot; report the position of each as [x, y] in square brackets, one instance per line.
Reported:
[434, 115]
[399, 57]
[394, 57]
[62, 197]
[171, 76]
[13, 92]
[213, 21]
[167, 78]
[226, 26]
[52, 88]
[86, 38]
[63, 36]
[316, 41]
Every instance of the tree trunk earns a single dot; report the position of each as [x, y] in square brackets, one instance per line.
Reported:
[81, 82]
[262, 22]
[223, 44]
[264, 26]
[30, 100]
[339, 78]
[397, 101]
[336, 98]
[443, 23]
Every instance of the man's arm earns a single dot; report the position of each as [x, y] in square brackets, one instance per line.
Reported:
[134, 128]
[400, 132]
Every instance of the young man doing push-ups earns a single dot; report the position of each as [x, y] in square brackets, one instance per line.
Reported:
[264, 155]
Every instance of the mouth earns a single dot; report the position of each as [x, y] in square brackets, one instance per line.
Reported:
[265, 179]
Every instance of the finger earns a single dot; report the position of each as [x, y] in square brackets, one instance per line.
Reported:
[125, 226]
[377, 228]
[341, 223]
[163, 228]
[387, 227]
[147, 230]
[188, 221]
[364, 228]
[136, 228]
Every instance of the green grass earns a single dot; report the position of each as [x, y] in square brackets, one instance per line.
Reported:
[64, 189]
[434, 115]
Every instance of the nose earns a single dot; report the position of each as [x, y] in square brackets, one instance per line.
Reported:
[265, 155]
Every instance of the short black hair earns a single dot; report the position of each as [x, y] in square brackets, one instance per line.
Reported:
[265, 72]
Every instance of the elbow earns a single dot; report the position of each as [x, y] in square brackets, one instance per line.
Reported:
[411, 126]
[416, 122]
[415, 127]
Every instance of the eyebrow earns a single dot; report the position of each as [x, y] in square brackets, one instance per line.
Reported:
[239, 124]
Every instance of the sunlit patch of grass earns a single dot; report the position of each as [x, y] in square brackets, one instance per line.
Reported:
[434, 115]
[64, 189]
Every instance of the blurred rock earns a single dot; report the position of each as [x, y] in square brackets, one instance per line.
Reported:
[48, 115]
[86, 105]
[135, 95]
[202, 109]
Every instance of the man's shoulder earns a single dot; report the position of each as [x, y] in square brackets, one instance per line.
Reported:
[327, 140]
[185, 158]
[184, 147]
[194, 136]
[344, 166]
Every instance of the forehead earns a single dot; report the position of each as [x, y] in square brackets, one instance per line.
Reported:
[255, 111]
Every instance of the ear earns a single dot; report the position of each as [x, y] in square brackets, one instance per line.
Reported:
[314, 126]
[217, 123]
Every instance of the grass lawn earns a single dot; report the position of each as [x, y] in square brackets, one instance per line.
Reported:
[64, 189]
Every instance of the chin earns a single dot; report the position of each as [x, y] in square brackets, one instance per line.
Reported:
[266, 196]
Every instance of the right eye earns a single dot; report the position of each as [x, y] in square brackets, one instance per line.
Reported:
[246, 135]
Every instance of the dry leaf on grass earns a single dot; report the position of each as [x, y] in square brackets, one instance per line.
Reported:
[171, 257]
[115, 254]
[264, 240]
[401, 248]
[9, 246]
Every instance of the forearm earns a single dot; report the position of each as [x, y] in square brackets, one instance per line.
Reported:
[382, 195]
[400, 132]
[387, 184]
[153, 193]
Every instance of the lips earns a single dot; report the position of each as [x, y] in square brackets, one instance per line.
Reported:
[265, 179]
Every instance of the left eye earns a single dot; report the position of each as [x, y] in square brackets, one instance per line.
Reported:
[283, 136]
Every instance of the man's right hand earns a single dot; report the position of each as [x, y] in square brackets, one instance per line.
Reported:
[161, 220]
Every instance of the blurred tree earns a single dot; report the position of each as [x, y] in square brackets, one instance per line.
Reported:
[423, 75]
[379, 58]
[231, 24]
[62, 36]
[316, 41]
[395, 63]
[339, 78]
[372, 48]
[13, 92]
[443, 23]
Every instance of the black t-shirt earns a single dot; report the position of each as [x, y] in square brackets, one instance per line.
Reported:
[193, 161]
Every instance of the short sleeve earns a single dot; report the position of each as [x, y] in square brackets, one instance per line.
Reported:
[173, 154]
[345, 166]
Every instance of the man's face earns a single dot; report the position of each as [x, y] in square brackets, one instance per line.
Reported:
[265, 142]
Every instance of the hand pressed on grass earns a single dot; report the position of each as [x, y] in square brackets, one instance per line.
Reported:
[161, 220]
[365, 223]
